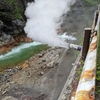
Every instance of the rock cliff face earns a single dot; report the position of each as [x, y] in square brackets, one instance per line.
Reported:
[12, 22]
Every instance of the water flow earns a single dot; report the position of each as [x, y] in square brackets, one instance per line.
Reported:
[18, 49]
[24, 51]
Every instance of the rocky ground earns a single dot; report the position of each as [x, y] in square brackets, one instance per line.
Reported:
[22, 77]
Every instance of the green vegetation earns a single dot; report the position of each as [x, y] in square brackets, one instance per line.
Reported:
[10, 1]
[16, 9]
[22, 56]
[90, 2]
[17, 13]
[98, 69]
[79, 71]
[0, 21]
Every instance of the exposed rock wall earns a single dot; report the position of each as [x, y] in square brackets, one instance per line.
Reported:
[12, 22]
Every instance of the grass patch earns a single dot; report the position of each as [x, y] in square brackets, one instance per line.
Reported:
[79, 71]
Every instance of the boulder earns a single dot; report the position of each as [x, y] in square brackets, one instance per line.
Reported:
[6, 39]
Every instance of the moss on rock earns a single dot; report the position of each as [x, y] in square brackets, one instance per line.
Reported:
[11, 9]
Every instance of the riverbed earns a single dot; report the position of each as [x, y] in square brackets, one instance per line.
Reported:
[20, 54]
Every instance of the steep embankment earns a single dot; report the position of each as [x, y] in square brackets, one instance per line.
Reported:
[12, 22]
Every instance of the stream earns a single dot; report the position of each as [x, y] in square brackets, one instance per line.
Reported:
[20, 53]
[24, 51]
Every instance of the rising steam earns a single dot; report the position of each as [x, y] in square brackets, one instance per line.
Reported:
[44, 18]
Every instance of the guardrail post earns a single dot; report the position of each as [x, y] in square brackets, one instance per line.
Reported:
[95, 19]
[86, 42]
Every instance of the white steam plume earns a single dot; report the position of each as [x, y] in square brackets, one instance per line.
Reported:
[43, 17]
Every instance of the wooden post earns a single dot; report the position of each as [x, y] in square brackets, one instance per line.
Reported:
[86, 42]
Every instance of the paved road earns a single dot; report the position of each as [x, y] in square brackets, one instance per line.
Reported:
[52, 83]
[63, 71]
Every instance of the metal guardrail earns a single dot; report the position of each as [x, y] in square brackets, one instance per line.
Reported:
[86, 85]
